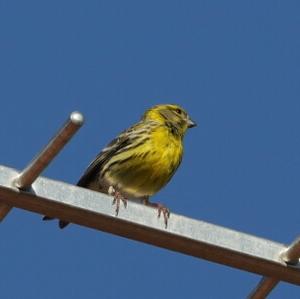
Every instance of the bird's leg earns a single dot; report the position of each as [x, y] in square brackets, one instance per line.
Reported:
[118, 197]
[162, 209]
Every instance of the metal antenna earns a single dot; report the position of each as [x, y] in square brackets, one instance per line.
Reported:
[274, 261]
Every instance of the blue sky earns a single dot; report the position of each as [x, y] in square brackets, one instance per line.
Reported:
[234, 65]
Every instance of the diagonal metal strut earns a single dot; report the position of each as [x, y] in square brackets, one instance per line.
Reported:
[41, 161]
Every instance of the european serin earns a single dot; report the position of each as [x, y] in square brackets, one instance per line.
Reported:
[141, 160]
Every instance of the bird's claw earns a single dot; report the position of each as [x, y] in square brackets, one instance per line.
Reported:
[165, 211]
[118, 197]
[161, 209]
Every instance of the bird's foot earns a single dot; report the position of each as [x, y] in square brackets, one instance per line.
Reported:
[118, 197]
[161, 209]
[165, 211]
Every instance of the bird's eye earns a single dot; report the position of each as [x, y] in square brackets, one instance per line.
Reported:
[178, 111]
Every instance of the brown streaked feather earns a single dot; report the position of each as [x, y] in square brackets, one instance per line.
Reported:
[116, 146]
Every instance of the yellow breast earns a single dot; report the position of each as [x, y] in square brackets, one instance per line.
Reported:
[150, 166]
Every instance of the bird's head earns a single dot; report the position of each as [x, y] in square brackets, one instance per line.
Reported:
[173, 116]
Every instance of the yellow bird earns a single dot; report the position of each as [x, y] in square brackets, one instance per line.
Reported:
[141, 160]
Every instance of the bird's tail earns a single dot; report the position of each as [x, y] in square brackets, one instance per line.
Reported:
[61, 223]
[46, 218]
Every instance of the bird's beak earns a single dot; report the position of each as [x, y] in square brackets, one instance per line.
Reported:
[191, 123]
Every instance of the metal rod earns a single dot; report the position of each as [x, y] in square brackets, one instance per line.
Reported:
[41, 161]
[139, 222]
[264, 288]
[292, 254]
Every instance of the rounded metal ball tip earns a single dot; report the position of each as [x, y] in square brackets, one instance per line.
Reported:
[77, 118]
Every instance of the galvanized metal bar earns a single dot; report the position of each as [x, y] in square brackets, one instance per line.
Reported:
[290, 256]
[264, 288]
[41, 161]
[139, 222]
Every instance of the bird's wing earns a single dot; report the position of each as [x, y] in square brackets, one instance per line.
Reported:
[117, 145]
